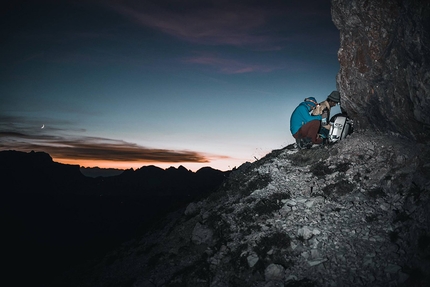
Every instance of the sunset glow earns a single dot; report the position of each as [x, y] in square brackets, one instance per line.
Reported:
[122, 84]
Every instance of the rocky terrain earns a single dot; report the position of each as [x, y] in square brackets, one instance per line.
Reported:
[351, 214]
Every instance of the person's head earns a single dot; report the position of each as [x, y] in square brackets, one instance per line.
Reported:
[311, 101]
[333, 99]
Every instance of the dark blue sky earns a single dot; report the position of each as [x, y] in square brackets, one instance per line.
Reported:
[132, 83]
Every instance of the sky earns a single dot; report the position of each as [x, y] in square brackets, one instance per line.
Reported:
[125, 84]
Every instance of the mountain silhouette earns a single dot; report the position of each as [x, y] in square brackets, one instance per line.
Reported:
[55, 217]
[97, 171]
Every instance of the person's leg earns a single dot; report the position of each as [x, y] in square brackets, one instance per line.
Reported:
[310, 130]
[298, 135]
[299, 139]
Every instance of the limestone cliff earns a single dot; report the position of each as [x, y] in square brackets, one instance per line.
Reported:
[384, 56]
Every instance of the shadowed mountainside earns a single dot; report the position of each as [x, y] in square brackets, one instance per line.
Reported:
[97, 171]
[54, 217]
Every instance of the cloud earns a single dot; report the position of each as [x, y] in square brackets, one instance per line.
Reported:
[27, 137]
[92, 148]
[204, 22]
[228, 66]
[252, 25]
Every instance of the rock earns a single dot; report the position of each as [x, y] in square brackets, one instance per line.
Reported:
[252, 259]
[285, 210]
[309, 203]
[305, 254]
[201, 234]
[274, 272]
[304, 232]
[191, 209]
[392, 268]
[301, 199]
[384, 55]
[290, 203]
[274, 284]
[316, 262]
[315, 254]
[291, 278]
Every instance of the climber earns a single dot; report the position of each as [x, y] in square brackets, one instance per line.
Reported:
[332, 100]
[305, 123]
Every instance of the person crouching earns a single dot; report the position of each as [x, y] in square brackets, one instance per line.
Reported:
[305, 123]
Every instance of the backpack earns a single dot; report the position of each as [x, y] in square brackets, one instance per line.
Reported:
[341, 127]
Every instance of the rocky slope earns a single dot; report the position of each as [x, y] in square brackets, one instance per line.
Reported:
[351, 214]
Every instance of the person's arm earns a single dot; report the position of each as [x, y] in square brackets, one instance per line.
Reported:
[317, 110]
[327, 107]
[325, 104]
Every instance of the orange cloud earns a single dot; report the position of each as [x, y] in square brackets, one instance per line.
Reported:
[96, 149]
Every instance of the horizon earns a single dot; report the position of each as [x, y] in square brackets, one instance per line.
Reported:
[125, 84]
[137, 166]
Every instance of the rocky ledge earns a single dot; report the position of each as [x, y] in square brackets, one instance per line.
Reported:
[351, 214]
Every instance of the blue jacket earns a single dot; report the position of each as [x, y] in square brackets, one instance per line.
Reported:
[301, 116]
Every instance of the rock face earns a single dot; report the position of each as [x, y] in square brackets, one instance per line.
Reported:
[351, 214]
[384, 56]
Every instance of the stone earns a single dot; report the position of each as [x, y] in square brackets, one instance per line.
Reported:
[392, 268]
[252, 259]
[305, 254]
[309, 203]
[274, 272]
[301, 199]
[315, 254]
[304, 232]
[274, 284]
[201, 234]
[285, 210]
[191, 209]
[291, 278]
[316, 262]
[290, 202]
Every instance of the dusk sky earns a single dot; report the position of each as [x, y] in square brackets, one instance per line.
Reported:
[197, 83]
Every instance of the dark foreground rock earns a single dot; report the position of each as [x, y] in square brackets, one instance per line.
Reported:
[352, 214]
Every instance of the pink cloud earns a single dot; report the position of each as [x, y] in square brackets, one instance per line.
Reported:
[228, 66]
[215, 25]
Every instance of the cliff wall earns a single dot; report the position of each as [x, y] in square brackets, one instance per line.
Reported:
[384, 56]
